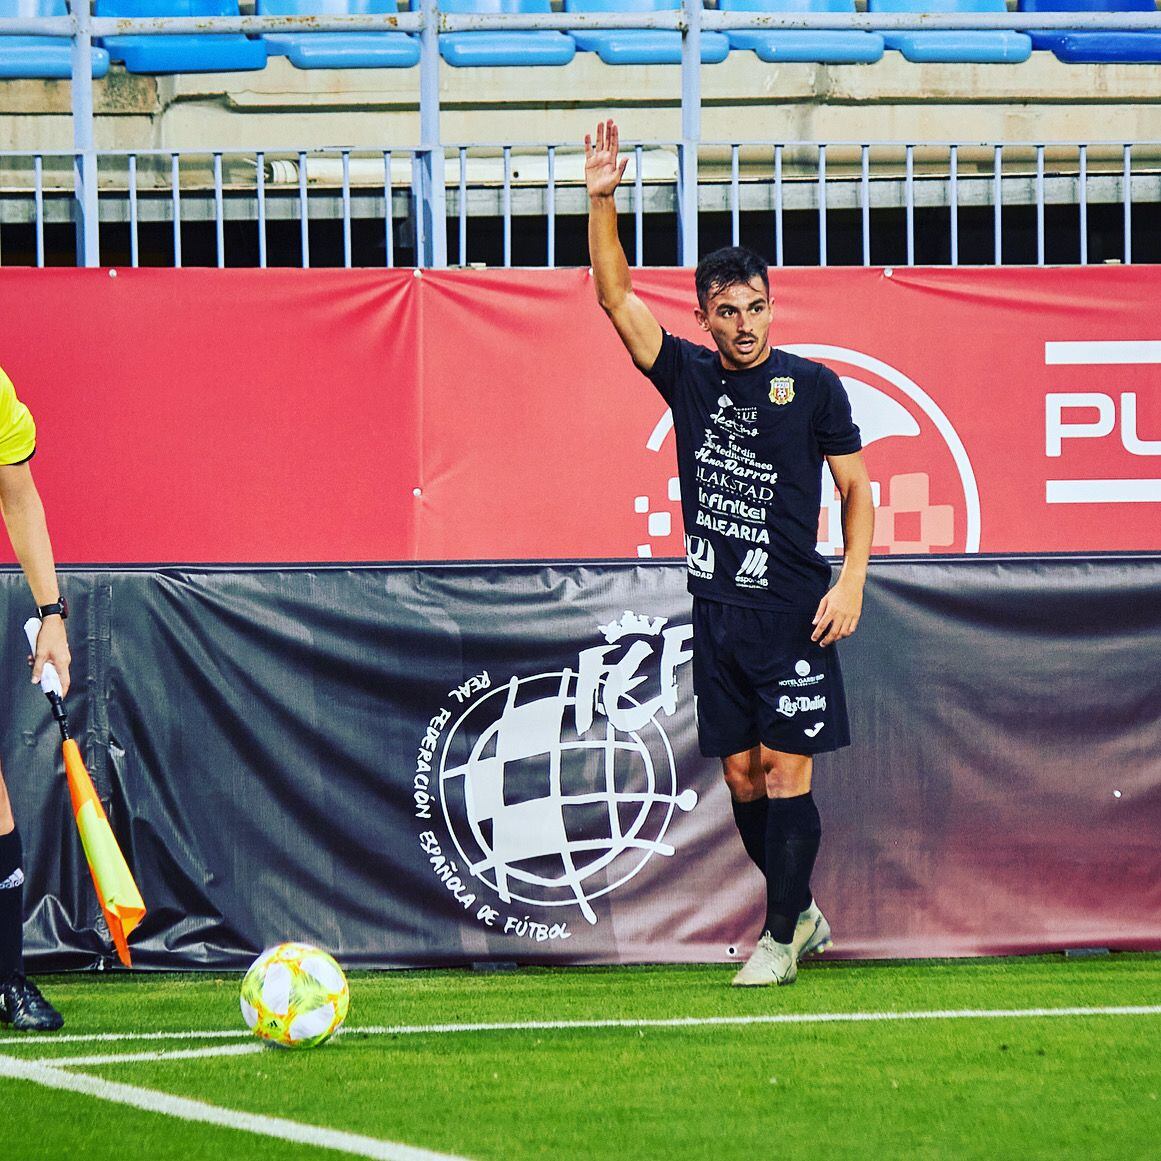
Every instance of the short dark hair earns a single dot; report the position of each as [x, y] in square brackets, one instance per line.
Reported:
[725, 268]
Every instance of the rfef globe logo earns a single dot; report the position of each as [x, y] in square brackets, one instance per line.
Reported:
[554, 789]
[923, 484]
[547, 813]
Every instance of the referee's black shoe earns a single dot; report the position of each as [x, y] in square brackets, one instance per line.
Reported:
[22, 1006]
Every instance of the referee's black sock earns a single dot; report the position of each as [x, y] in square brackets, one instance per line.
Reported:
[793, 832]
[750, 819]
[11, 904]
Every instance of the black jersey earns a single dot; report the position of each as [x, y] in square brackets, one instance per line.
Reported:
[750, 447]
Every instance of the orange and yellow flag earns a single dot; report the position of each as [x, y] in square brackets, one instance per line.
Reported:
[120, 900]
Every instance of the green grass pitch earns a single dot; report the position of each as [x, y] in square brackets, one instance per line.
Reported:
[935, 1059]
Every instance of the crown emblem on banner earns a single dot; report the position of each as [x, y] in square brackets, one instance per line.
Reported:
[632, 625]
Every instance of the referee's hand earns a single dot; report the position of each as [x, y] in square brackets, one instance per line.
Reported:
[52, 644]
[838, 612]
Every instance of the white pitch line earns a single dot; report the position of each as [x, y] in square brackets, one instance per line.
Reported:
[54, 1075]
[146, 1057]
[24, 1040]
[184, 1109]
[555, 1025]
[775, 1018]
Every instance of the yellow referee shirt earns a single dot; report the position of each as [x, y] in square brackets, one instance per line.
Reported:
[17, 429]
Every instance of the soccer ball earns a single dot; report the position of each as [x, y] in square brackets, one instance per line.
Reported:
[294, 995]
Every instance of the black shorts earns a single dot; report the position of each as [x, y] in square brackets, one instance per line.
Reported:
[758, 677]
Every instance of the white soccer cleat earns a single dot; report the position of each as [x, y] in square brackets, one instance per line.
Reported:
[811, 933]
[771, 963]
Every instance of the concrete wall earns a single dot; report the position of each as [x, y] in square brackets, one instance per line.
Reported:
[743, 99]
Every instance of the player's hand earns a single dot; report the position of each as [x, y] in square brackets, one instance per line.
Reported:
[603, 172]
[838, 613]
[52, 644]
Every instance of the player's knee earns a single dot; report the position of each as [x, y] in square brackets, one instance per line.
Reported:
[739, 773]
[786, 775]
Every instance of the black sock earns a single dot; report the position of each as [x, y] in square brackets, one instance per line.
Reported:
[750, 818]
[793, 831]
[11, 904]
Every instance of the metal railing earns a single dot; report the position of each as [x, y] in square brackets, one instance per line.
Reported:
[428, 158]
[372, 194]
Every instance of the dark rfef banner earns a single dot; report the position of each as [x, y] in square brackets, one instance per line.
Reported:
[458, 763]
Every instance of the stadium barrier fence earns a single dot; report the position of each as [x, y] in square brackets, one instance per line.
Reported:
[508, 183]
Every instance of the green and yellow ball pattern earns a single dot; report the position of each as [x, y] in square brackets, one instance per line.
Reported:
[294, 995]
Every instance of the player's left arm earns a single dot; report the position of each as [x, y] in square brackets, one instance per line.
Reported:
[839, 610]
[23, 514]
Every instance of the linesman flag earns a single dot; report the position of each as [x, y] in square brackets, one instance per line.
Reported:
[116, 891]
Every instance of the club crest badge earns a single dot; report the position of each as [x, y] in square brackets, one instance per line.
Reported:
[781, 390]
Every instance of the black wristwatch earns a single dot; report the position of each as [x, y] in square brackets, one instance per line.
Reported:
[59, 606]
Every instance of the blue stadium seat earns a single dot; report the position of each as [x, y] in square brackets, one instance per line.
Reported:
[823, 46]
[338, 50]
[1128, 47]
[983, 46]
[40, 57]
[181, 53]
[519, 47]
[1079, 46]
[641, 45]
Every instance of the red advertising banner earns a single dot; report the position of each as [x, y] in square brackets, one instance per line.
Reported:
[292, 416]
[210, 416]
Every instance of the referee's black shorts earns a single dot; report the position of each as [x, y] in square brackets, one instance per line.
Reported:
[758, 677]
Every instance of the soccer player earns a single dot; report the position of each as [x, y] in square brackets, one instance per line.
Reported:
[753, 425]
[21, 1003]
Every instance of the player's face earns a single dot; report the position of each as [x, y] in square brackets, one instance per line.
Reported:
[738, 320]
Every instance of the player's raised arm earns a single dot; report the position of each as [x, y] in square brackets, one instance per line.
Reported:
[639, 330]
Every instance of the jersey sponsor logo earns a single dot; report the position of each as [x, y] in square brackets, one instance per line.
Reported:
[804, 676]
[812, 731]
[789, 706]
[735, 419]
[699, 557]
[752, 574]
[16, 879]
[730, 506]
[781, 390]
[741, 429]
[731, 529]
[718, 475]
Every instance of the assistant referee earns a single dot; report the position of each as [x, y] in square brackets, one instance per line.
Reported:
[21, 1003]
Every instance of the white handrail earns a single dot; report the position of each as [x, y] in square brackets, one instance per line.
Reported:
[674, 20]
